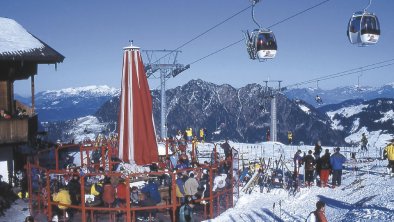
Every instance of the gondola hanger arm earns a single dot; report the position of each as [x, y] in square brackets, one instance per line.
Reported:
[365, 9]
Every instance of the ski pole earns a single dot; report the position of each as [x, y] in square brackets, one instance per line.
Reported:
[273, 211]
[280, 209]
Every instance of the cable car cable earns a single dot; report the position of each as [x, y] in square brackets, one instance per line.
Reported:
[344, 73]
[299, 13]
[198, 36]
[340, 73]
[277, 23]
[217, 51]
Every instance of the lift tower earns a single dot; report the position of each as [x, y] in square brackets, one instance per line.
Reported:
[168, 66]
[274, 120]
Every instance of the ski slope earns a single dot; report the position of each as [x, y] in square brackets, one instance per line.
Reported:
[365, 195]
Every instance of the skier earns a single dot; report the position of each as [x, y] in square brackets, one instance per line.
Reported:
[318, 150]
[186, 210]
[364, 142]
[226, 148]
[389, 154]
[318, 99]
[336, 161]
[268, 134]
[310, 163]
[319, 214]
[290, 137]
[324, 168]
[202, 135]
[297, 162]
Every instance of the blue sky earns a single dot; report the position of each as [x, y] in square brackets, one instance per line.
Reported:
[91, 35]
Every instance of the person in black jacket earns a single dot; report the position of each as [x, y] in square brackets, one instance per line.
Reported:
[74, 187]
[310, 163]
[323, 167]
[318, 150]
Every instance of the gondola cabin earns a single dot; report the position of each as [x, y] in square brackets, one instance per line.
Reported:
[363, 29]
[262, 45]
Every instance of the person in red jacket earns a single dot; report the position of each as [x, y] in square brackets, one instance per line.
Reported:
[121, 193]
[320, 211]
[324, 167]
[319, 214]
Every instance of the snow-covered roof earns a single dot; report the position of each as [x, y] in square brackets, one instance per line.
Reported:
[14, 38]
[16, 43]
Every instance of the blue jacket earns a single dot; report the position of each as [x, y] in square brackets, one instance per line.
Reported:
[151, 190]
[181, 185]
[337, 160]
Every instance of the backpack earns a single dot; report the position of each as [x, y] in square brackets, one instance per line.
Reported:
[312, 217]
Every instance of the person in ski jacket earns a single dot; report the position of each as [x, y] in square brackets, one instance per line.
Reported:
[151, 191]
[134, 196]
[191, 185]
[186, 210]
[226, 148]
[180, 188]
[189, 134]
[318, 150]
[337, 160]
[319, 214]
[310, 163]
[389, 154]
[202, 135]
[61, 197]
[324, 167]
[297, 161]
[364, 142]
[290, 137]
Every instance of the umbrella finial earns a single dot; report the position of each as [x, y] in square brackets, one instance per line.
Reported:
[131, 46]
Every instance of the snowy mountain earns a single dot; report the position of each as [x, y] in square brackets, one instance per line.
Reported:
[341, 94]
[375, 118]
[241, 114]
[76, 130]
[71, 103]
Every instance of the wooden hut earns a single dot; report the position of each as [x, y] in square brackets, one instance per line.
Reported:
[20, 54]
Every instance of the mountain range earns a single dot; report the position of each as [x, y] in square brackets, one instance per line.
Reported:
[226, 112]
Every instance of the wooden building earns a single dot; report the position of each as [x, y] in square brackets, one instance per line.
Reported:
[20, 54]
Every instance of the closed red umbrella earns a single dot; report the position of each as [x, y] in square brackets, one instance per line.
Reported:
[137, 136]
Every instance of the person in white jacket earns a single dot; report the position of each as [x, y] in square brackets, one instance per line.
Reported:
[191, 185]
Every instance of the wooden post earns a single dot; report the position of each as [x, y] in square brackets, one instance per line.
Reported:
[128, 213]
[173, 196]
[29, 187]
[48, 184]
[32, 95]
[56, 158]
[166, 147]
[81, 154]
[83, 208]
[211, 192]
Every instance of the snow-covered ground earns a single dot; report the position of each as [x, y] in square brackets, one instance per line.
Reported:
[365, 195]
[18, 212]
